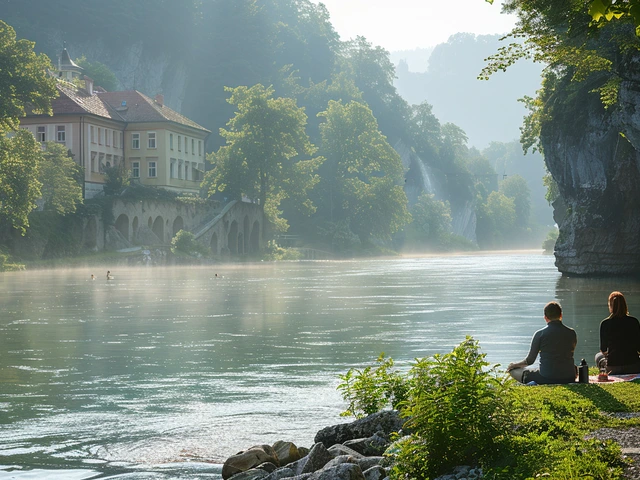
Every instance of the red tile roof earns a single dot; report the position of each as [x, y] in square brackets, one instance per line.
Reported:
[140, 108]
[128, 106]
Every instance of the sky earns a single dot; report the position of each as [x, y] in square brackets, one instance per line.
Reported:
[409, 24]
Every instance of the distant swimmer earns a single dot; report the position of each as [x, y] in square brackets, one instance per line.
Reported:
[93, 277]
[109, 276]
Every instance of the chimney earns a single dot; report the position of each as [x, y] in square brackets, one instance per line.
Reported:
[88, 84]
[160, 99]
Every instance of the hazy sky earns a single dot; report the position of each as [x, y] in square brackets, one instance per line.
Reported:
[409, 24]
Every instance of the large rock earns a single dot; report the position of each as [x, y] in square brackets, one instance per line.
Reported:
[317, 458]
[385, 422]
[375, 473]
[369, 447]
[249, 459]
[597, 172]
[287, 452]
[253, 474]
[345, 471]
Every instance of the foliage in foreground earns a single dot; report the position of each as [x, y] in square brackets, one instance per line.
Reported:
[185, 242]
[460, 410]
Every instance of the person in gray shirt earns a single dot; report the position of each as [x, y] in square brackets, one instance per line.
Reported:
[555, 343]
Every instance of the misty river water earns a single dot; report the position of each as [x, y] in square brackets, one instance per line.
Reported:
[161, 371]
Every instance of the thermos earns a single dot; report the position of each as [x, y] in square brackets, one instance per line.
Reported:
[583, 372]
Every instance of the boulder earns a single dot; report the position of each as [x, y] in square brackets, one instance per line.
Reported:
[267, 467]
[317, 458]
[287, 452]
[375, 473]
[372, 446]
[249, 459]
[385, 422]
[253, 474]
[367, 462]
[338, 449]
[284, 472]
[339, 460]
[345, 471]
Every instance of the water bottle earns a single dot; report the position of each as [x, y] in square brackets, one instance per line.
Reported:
[583, 372]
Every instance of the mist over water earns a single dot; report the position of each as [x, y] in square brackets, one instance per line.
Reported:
[161, 370]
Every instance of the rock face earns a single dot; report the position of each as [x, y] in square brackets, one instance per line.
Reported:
[385, 423]
[598, 173]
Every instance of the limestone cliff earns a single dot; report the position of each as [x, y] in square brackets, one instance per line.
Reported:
[593, 155]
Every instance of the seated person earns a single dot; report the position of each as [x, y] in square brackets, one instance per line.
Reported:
[619, 339]
[555, 343]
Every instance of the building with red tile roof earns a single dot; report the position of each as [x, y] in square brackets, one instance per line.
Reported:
[154, 144]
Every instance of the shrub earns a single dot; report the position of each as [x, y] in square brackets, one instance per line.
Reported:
[185, 242]
[275, 252]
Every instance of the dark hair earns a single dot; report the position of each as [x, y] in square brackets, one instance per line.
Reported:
[618, 305]
[553, 311]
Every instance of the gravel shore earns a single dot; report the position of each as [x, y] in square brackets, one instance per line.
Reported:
[629, 440]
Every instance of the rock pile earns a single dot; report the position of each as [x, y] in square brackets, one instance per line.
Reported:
[351, 451]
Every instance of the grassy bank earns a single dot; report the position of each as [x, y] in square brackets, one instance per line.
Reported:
[462, 411]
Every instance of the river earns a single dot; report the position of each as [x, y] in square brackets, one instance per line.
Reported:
[164, 372]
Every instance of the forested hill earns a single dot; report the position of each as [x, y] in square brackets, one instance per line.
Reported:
[486, 110]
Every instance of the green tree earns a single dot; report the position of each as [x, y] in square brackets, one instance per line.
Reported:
[101, 74]
[365, 174]
[20, 155]
[23, 79]
[496, 220]
[516, 188]
[263, 156]
[432, 217]
[58, 175]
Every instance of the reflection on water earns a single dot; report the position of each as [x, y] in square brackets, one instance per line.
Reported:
[162, 371]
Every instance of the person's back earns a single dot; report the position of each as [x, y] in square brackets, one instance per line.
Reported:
[557, 344]
[621, 338]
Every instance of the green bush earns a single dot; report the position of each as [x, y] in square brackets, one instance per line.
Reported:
[462, 411]
[274, 252]
[185, 242]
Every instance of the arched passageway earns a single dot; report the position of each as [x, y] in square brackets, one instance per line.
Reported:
[158, 228]
[213, 245]
[245, 234]
[122, 225]
[232, 238]
[254, 240]
[91, 233]
[178, 224]
[134, 229]
[241, 250]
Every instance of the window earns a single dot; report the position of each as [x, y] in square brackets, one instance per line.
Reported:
[41, 135]
[121, 143]
[61, 134]
[135, 141]
[180, 170]
[172, 168]
[179, 143]
[152, 169]
[107, 137]
[151, 139]
[92, 134]
[193, 150]
[186, 145]
[199, 148]
[135, 169]
[115, 140]
[171, 141]
[99, 136]
[186, 171]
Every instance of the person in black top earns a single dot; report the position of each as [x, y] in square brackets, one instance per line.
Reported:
[619, 339]
[555, 343]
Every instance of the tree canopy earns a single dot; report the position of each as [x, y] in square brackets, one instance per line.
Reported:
[24, 81]
[266, 157]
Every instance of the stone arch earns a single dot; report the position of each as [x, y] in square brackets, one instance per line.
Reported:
[214, 244]
[178, 224]
[232, 238]
[245, 234]
[91, 233]
[254, 240]
[122, 225]
[158, 228]
[134, 228]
